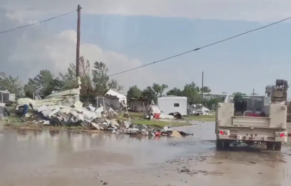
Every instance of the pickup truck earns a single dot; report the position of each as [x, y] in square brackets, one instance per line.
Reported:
[269, 128]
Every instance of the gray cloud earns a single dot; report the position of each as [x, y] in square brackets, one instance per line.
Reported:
[25, 52]
[246, 10]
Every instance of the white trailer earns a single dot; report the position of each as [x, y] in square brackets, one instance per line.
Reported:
[170, 104]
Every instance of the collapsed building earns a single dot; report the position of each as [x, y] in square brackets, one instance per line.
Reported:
[65, 109]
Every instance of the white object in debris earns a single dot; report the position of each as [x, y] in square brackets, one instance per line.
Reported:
[114, 123]
[46, 122]
[66, 98]
[42, 108]
[127, 124]
[99, 110]
[165, 116]
[121, 97]
[154, 109]
[167, 128]
[96, 126]
[56, 110]
[132, 130]
[91, 108]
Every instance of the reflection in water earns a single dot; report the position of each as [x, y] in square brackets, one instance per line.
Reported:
[49, 150]
[49, 147]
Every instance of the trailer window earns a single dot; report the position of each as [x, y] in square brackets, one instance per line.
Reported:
[176, 105]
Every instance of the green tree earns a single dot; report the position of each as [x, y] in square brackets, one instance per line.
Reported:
[69, 78]
[44, 84]
[113, 84]
[238, 94]
[101, 80]
[150, 94]
[191, 91]
[87, 92]
[93, 82]
[205, 89]
[175, 92]
[12, 84]
[133, 92]
[159, 89]
[212, 103]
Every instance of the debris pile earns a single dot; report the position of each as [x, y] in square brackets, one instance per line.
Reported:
[65, 109]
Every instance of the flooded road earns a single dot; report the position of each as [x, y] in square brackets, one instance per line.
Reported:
[69, 158]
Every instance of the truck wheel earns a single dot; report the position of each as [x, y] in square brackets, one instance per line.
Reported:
[275, 146]
[269, 145]
[278, 146]
[222, 144]
[219, 144]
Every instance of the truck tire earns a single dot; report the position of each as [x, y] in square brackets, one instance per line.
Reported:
[278, 146]
[269, 145]
[274, 146]
[222, 144]
[219, 144]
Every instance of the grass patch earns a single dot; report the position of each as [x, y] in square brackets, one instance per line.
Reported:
[201, 118]
[159, 124]
[136, 114]
[138, 118]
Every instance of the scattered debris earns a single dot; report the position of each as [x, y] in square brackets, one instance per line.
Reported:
[4, 112]
[65, 109]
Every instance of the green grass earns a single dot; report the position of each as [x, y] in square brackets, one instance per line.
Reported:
[195, 118]
[136, 114]
[201, 118]
[159, 124]
[138, 118]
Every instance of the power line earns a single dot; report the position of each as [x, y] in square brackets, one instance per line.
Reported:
[32, 24]
[202, 47]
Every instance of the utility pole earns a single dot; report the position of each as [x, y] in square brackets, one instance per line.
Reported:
[253, 101]
[202, 86]
[78, 40]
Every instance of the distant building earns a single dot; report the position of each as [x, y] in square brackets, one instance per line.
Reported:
[111, 99]
[6, 96]
[121, 97]
[170, 104]
[108, 101]
[209, 96]
[139, 104]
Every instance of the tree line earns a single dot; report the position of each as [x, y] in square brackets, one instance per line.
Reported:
[95, 82]
[191, 91]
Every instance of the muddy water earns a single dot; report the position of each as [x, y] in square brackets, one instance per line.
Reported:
[68, 158]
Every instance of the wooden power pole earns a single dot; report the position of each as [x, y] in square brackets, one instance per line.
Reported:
[78, 40]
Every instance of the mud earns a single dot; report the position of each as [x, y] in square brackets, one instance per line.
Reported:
[62, 158]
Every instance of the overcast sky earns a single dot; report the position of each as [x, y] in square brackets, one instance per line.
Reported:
[127, 33]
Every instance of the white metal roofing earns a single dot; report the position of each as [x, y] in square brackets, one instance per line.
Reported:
[113, 93]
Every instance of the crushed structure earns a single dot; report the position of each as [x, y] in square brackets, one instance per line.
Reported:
[65, 109]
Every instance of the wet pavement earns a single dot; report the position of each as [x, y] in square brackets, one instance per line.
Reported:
[62, 158]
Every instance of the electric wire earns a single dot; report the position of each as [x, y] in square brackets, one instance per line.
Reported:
[202, 47]
[36, 23]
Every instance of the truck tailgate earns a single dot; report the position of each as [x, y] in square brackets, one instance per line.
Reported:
[246, 121]
[277, 117]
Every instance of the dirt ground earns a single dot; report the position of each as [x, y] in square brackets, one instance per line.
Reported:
[63, 158]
